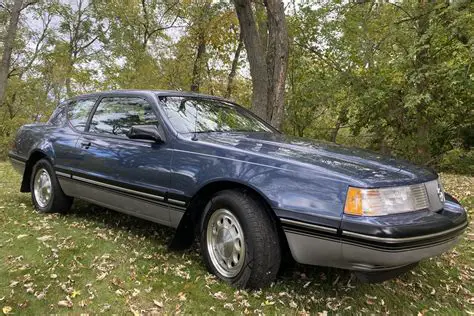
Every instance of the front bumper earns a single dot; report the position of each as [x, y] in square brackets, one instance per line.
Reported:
[377, 244]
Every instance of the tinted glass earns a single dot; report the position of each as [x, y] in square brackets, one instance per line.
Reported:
[78, 112]
[58, 117]
[115, 116]
[188, 115]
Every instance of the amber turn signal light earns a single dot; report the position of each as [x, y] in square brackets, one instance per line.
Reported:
[353, 202]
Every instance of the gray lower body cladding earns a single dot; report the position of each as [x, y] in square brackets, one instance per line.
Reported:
[326, 249]
[139, 204]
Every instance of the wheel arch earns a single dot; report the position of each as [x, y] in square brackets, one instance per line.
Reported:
[34, 157]
[189, 224]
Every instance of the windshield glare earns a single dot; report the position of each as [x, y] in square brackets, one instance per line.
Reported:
[189, 115]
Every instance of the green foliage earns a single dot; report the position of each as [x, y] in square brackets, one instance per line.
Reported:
[458, 161]
[400, 75]
[395, 77]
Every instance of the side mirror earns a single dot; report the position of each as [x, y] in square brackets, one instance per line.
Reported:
[149, 132]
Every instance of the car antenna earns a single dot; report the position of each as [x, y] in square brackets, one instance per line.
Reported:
[194, 138]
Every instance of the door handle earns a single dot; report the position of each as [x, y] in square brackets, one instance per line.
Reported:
[85, 145]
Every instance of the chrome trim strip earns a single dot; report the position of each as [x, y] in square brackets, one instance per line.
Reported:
[338, 218]
[62, 174]
[307, 225]
[178, 202]
[110, 186]
[406, 239]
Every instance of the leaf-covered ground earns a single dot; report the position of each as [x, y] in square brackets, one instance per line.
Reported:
[93, 260]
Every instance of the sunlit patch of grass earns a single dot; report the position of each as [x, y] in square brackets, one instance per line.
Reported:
[93, 260]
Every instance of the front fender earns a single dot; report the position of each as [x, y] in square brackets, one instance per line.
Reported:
[294, 192]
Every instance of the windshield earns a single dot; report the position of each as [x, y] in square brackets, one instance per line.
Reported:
[189, 115]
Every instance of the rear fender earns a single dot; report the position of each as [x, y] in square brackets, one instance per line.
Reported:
[44, 149]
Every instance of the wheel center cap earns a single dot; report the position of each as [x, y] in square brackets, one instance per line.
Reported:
[225, 243]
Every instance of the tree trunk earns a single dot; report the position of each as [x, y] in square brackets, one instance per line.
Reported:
[341, 119]
[335, 131]
[70, 67]
[422, 59]
[267, 53]
[8, 47]
[233, 69]
[255, 55]
[68, 83]
[11, 111]
[209, 76]
[277, 60]
[198, 64]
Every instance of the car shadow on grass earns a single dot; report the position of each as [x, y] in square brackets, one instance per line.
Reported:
[110, 219]
[291, 272]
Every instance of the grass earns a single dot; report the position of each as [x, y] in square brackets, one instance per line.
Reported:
[94, 260]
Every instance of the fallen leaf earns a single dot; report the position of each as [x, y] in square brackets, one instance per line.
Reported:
[101, 276]
[134, 311]
[45, 238]
[65, 304]
[6, 310]
[229, 306]
[105, 307]
[75, 293]
[219, 295]
[158, 303]
[181, 296]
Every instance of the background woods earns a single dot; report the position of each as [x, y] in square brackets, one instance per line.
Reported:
[394, 76]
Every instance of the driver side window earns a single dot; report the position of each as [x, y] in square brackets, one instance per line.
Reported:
[115, 115]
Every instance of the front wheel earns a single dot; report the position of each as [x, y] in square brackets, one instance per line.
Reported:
[46, 194]
[239, 240]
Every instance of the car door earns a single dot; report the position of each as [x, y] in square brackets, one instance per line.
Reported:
[127, 175]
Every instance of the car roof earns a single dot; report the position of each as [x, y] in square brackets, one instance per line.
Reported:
[173, 93]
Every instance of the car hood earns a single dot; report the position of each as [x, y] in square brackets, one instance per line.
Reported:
[365, 168]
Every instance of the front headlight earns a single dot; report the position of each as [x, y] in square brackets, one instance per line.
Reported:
[386, 201]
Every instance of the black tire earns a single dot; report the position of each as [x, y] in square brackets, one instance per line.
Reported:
[262, 247]
[58, 201]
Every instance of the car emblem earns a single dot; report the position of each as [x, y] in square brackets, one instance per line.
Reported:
[441, 193]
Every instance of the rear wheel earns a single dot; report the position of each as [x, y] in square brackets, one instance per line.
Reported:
[46, 194]
[239, 240]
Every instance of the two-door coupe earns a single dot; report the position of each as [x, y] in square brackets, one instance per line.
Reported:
[210, 168]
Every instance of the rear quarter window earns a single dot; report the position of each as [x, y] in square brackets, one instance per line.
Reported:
[78, 112]
[58, 118]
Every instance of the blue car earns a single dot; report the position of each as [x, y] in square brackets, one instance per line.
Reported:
[253, 196]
